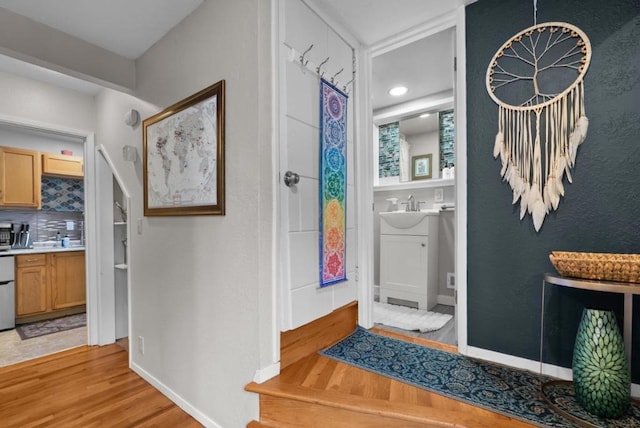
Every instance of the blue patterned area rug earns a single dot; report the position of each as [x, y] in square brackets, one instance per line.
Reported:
[512, 392]
[42, 328]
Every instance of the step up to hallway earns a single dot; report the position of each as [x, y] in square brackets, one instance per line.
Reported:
[315, 391]
[320, 392]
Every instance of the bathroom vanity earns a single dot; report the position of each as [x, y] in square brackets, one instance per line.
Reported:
[409, 258]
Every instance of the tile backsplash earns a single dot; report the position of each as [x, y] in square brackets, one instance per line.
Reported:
[62, 194]
[389, 152]
[44, 224]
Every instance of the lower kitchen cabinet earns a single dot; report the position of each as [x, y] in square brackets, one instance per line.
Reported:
[31, 284]
[48, 284]
[68, 286]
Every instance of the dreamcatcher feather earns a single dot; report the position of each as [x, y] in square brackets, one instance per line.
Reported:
[537, 80]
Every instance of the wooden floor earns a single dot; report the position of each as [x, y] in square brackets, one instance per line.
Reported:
[320, 384]
[83, 387]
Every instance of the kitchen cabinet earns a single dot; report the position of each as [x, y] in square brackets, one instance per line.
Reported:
[62, 165]
[19, 178]
[31, 284]
[49, 285]
[68, 286]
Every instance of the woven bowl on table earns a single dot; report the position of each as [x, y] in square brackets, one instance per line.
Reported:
[601, 266]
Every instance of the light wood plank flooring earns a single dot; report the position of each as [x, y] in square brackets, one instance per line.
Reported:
[83, 387]
[320, 392]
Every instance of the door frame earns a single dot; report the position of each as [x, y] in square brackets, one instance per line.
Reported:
[456, 20]
[95, 331]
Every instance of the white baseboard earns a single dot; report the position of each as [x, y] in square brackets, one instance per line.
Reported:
[266, 373]
[178, 400]
[446, 300]
[530, 365]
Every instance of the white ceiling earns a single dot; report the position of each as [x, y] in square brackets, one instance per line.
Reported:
[425, 67]
[126, 27]
[130, 27]
[371, 21]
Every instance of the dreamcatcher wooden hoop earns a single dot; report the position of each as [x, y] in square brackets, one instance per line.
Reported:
[538, 138]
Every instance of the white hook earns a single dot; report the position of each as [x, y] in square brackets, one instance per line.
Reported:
[334, 76]
[320, 66]
[302, 61]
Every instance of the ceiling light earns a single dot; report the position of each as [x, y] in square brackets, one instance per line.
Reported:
[423, 115]
[398, 90]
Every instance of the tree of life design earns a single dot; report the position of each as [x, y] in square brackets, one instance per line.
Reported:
[537, 80]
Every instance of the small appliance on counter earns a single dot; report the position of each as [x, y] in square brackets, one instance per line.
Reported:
[6, 233]
[21, 236]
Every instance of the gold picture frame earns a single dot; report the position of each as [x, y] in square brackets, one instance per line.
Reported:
[421, 167]
[183, 156]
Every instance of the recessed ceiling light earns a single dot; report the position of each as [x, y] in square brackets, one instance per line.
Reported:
[398, 90]
[423, 115]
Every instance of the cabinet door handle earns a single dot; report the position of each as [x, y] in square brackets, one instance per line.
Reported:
[423, 244]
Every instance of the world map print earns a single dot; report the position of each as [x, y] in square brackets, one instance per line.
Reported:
[181, 158]
[333, 184]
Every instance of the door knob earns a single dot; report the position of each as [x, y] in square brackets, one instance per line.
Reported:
[291, 178]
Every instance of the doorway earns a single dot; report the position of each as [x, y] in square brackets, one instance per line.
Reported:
[48, 296]
[416, 126]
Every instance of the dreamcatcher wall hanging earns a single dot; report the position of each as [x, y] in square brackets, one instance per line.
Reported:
[537, 80]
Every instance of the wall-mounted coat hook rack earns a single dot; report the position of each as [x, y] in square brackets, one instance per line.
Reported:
[333, 79]
[346, 85]
[320, 67]
[302, 60]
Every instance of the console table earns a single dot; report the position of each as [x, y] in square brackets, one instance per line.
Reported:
[628, 289]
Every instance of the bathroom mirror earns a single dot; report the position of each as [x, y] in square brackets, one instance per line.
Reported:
[419, 135]
[412, 100]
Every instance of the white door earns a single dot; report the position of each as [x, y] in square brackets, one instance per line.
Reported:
[301, 298]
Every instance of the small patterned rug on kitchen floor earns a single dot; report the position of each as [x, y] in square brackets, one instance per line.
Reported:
[41, 328]
[501, 389]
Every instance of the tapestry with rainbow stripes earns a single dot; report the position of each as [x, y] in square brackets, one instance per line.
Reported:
[333, 184]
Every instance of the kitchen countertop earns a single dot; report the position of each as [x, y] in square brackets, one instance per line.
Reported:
[40, 250]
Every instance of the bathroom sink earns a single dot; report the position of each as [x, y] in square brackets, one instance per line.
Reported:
[406, 219]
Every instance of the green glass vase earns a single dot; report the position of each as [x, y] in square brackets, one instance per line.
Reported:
[601, 375]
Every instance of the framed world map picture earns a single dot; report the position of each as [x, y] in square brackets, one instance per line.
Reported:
[183, 156]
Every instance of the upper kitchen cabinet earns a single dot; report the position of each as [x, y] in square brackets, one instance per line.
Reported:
[19, 178]
[62, 165]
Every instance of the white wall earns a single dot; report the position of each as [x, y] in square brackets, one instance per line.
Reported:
[40, 102]
[17, 137]
[201, 285]
[39, 44]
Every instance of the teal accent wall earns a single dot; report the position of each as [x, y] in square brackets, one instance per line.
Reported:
[601, 209]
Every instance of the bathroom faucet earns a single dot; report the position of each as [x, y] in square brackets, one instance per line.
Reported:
[411, 203]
